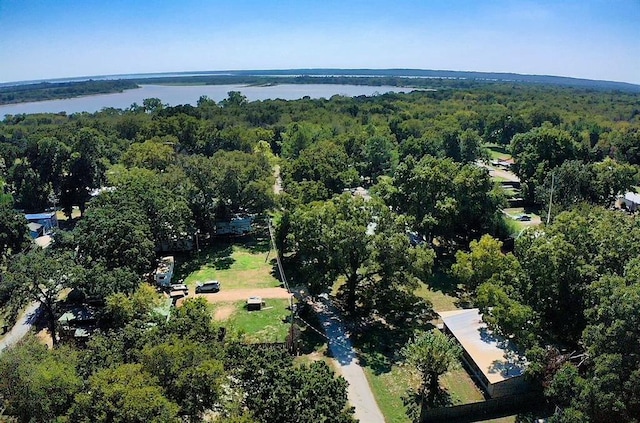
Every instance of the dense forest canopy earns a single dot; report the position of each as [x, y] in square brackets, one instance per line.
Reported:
[153, 174]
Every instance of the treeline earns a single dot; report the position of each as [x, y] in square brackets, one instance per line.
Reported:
[56, 90]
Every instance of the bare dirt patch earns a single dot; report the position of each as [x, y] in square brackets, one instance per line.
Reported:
[44, 337]
[224, 312]
[239, 294]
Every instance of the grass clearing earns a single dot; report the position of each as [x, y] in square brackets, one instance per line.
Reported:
[461, 387]
[235, 266]
[497, 152]
[389, 389]
[271, 324]
[440, 290]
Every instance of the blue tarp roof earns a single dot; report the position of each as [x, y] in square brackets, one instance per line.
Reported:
[38, 216]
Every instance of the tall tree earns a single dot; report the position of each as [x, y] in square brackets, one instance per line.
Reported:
[358, 240]
[13, 231]
[41, 275]
[432, 354]
[446, 199]
[539, 151]
[116, 235]
[37, 384]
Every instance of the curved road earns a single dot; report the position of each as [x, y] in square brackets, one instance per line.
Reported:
[359, 392]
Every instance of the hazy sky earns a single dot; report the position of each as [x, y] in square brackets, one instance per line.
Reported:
[64, 38]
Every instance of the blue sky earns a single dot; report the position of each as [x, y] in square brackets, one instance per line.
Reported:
[596, 39]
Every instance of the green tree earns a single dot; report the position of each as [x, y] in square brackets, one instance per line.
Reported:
[37, 384]
[190, 374]
[539, 151]
[125, 394]
[276, 390]
[484, 262]
[356, 239]
[446, 199]
[156, 154]
[13, 231]
[116, 237]
[380, 157]
[41, 275]
[432, 354]
[325, 162]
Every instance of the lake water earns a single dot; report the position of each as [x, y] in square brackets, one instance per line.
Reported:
[189, 94]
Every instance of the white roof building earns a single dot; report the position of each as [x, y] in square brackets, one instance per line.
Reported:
[494, 361]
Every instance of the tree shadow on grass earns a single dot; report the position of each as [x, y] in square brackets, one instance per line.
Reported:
[442, 281]
[386, 329]
[217, 256]
[310, 334]
[413, 402]
[256, 242]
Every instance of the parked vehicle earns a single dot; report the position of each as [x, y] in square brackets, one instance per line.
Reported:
[207, 287]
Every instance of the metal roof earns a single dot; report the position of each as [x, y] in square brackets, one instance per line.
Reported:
[632, 196]
[497, 358]
[40, 216]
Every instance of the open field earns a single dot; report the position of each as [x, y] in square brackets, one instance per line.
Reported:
[498, 152]
[245, 268]
[271, 324]
[236, 266]
[511, 214]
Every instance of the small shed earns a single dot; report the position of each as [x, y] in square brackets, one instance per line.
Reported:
[254, 303]
[494, 361]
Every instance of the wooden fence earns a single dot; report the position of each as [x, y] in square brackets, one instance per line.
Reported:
[489, 409]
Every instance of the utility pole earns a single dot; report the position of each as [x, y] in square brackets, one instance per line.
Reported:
[550, 199]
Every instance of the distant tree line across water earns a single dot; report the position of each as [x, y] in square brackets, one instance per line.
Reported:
[54, 91]
[417, 78]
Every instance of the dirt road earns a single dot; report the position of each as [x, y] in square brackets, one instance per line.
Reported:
[240, 294]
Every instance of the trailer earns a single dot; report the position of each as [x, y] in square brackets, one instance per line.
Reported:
[164, 272]
[235, 226]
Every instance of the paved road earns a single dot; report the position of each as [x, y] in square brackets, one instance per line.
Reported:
[22, 326]
[359, 392]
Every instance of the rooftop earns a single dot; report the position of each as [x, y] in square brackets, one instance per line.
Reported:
[496, 357]
[632, 196]
[40, 216]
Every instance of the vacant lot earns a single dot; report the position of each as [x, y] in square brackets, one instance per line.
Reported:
[245, 268]
[235, 266]
[498, 152]
[270, 324]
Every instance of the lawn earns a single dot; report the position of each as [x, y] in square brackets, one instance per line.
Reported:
[440, 290]
[390, 380]
[236, 266]
[271, 324]
[497, 152]
[389, 388]
[461, 387]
